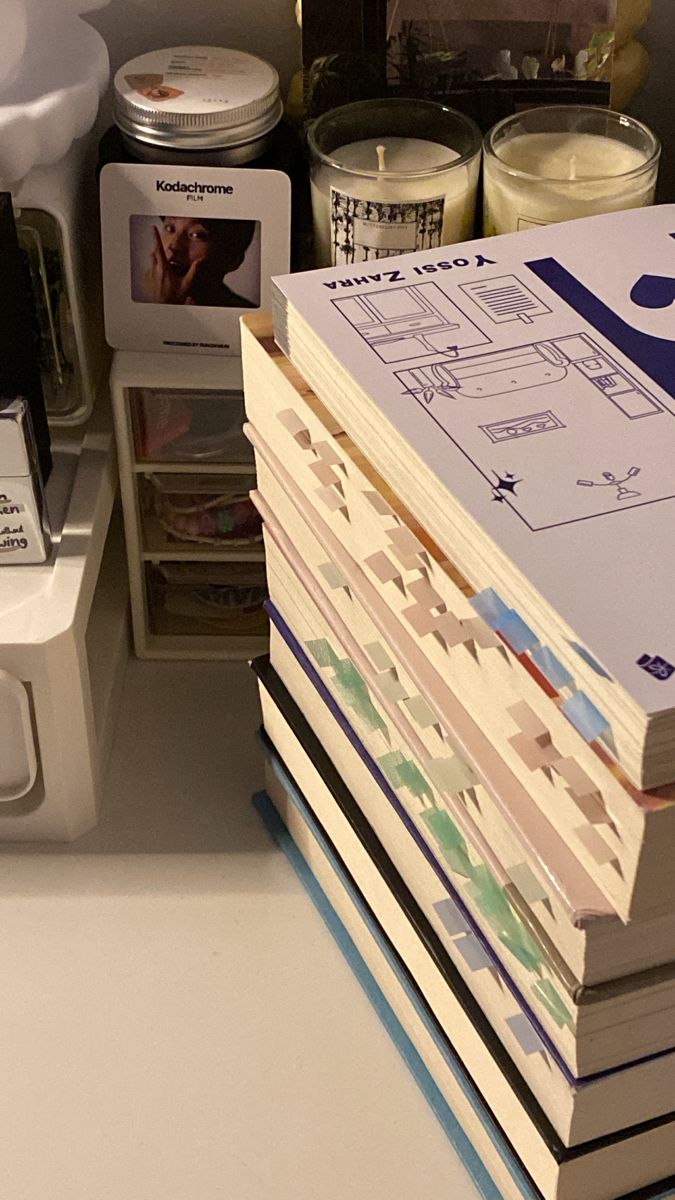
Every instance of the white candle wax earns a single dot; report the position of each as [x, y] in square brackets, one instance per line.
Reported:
[358, 217]
[567, 175]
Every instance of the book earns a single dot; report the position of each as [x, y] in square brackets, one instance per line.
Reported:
[579, 1110]
[349, 869]
[442, 404]
[594, 1030]
[491, 680]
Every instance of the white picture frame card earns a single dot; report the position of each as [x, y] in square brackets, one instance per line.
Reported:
[187, 251]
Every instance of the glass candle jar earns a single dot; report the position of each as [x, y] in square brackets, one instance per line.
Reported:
[391, 176]
[565, 161]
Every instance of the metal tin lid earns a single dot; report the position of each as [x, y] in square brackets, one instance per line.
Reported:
[196, 97]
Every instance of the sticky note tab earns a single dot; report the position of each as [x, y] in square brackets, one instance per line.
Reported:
[293, 423]
[378, 656]
[525, 1034]
[421, 618]
[327, 453]
[590, 660]
[533, 754]
[586, 718]
[481, 633]
[379, 503]
[474, 953]
[421, 590]
[527, 883]
[451, 774]
[334, 577]
[490, 607]
[451, 629]
[549, 996]
[524, 948]
[322, 652]
[382, 567]
[595, 844]
[331, 497]
[453, 921]
[450, 840]
[324, 473]
[551, 667]
[404, 540]
[391, 687]
[527, 719]
[517, 633]
[411, 777]
[420, 712]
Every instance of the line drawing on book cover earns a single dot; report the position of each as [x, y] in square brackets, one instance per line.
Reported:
[505, 298]
[413, 322]
[527, 426]
[598, 404]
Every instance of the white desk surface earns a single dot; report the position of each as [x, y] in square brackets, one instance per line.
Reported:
[177, 1022]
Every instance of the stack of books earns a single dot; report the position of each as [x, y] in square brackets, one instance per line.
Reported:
[465, 474]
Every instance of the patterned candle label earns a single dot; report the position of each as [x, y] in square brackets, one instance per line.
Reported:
[367, 229]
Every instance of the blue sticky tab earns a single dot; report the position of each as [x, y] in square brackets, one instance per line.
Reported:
[586, 718]
[551, 667]
[519, 635]
[589, 660]
[452, 918]
[490, 607]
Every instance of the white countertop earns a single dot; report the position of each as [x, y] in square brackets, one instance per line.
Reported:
[178, 1024]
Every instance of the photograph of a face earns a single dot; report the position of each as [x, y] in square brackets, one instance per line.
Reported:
[200, 261]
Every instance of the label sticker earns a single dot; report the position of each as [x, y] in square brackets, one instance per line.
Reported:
[368, 229]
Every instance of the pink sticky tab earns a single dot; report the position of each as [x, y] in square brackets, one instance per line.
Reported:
[293, 424]
[327, 453]
[405, 541]
[330, 496]
[532, 753]
[595, 844]
[382, 567]
[379, 503]
[481, 633]
[451, 629]
[527, 720]
[324, 473]
[421, 590]
[421, 618]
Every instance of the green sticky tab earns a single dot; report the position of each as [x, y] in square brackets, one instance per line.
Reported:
[530, 959]
[323, 653]
[550, 997]
[389, 764]
[411, 777]
[347, 676]
[354, 691]
[450, 841]
[489, 895]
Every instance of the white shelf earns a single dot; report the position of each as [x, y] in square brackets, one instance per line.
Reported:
[63, 637]
[179, 1024]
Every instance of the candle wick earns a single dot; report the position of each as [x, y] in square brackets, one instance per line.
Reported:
[573, 167]
[380, 151]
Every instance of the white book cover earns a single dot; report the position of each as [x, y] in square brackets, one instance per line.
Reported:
[535, 375]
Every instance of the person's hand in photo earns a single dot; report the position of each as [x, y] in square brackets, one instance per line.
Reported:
[168, 281]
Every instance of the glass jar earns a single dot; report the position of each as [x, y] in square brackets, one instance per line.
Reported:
[204, 106]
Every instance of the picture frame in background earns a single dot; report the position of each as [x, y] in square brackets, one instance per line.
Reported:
[488, 58]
